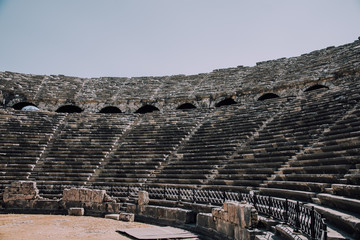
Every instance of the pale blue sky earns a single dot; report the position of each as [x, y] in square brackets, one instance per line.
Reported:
[129, 38]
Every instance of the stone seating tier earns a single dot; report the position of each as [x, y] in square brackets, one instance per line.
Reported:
[146, 147]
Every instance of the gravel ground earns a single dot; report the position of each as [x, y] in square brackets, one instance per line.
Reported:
[40, 227]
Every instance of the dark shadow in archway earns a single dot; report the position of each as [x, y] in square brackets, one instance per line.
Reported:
[225, 102]
[147, 109]
[110, 109]
[267, 96]
[186, 106]
[21, 105]
[316, 87]
[69, 109]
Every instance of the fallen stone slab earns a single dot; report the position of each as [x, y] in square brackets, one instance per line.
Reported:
[113, 216]
[157, 233]
[127, 217]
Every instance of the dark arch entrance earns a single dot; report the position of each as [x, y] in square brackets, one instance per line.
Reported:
[21, 105]
[316, 87]
[186, 106]
[69, 109]
[147, 109]
[110, 109]
[225, 102]
[267, 96]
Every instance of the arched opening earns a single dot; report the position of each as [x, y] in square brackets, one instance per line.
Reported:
[225, 102]
[316, 87]
[21, 105]
[147, 109]
[267, 96]
[110, 109]
[69, 109]
[186, 106]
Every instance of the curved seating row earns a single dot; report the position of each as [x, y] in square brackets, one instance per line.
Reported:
[304, 149]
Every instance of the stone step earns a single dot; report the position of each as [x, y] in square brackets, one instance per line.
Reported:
[322, 178]
[287, 193]
[299, 186]
[340, 202]
[325, 169]
[349, 223]
[324, 161]
[346, 190]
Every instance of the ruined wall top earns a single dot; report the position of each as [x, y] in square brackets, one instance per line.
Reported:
[285, 76]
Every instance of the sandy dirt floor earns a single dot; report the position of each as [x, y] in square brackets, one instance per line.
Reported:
[41, 227]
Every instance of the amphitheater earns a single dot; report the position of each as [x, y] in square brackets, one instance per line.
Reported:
[285, 132]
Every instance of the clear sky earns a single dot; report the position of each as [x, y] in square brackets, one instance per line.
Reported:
[129, 38]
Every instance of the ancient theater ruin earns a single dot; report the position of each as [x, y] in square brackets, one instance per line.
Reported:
[237, 153]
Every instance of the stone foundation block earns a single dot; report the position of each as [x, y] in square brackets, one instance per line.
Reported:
[166, 213]
[76, 211]
[131, 208]
[112, 207]
[205, 220]
[21, 190]
[47, 204]
[26, 204]
[185, 216]
[225, 228]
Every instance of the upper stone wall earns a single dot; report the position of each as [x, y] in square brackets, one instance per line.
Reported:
[285, 77]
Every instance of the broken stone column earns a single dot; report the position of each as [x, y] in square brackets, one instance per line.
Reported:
[143, 198]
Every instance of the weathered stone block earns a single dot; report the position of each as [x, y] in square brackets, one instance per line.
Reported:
[185, 216]
[232, 211]
[71, 195]
[21, 190]
[84, 195]
[111, 207]
[76, 211]
[131, 208]
[205, 220]
[143, 198]
[217, 212]
[250, 216]
[225, 227]
[46, 204]
[241, 234]
[19, 203]
[127, 217]
[97, 196]
[113, 216]
[166, 213]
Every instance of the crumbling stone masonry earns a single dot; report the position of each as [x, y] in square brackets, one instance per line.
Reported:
[94, 202]
[24, 196]
[234, 220]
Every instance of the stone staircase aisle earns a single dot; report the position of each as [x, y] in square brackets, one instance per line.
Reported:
[24, 137]
[145, 148]
[78, 151]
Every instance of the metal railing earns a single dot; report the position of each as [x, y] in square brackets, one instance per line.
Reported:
[300, 217]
